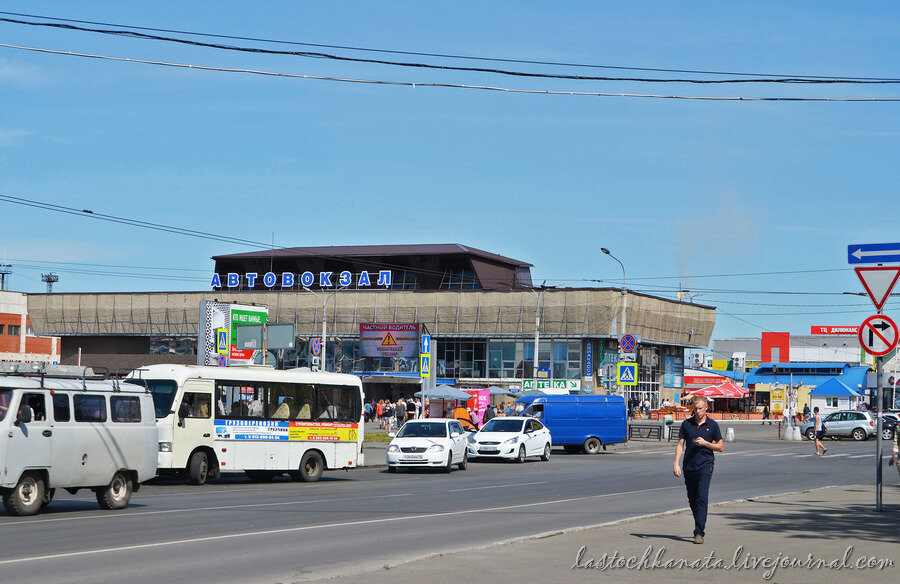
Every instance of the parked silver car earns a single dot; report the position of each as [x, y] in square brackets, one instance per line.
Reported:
[843, 424]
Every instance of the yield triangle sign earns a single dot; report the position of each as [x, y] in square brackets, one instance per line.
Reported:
[878, 282]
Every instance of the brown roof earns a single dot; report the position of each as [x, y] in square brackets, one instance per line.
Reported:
[339, 251]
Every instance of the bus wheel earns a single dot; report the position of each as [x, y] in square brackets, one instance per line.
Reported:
[260, 476]
[198, 469]
[592, 446]
[311, 466]
[26, 497]
[115, 495]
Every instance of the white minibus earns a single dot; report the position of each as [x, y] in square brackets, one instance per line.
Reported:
[258, 420]
[73, 434]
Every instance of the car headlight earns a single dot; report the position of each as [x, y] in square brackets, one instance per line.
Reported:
[393, 448]
[165, 447]
[512, 440]
[435, 448]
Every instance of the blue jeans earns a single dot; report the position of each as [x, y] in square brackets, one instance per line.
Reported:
[697, 484]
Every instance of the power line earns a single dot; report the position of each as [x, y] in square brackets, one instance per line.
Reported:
[449, 85]
[319, 55]
[445, 55]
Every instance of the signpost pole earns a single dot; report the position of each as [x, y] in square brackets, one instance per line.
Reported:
[879, 366]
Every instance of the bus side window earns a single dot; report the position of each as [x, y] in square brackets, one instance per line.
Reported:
[61, 407]
[36, 402]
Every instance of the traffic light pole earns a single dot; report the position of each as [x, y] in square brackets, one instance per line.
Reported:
[878, 425]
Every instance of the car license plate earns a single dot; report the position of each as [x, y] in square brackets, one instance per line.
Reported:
[413, 457]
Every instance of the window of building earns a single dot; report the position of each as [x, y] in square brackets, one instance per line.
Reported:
[13, 329]
[2, 326]
[89, 408]
[125, 408]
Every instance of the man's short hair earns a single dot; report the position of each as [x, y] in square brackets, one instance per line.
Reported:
[703, 398]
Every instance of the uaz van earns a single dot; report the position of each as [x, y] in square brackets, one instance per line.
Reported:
[73, 434]
[579, 422]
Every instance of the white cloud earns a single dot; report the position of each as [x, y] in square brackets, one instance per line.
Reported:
[22, 76]
[11, 137]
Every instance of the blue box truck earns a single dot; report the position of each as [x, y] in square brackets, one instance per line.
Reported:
[579, 423]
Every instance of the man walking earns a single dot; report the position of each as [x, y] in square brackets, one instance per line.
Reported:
[700, 437]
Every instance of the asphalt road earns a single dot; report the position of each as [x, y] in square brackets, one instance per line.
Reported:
[236, 531]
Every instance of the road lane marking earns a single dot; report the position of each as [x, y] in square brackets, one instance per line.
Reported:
[193, 509]
[322, 526]
[498, 486]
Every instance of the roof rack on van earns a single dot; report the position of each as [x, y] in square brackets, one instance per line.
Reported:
[46, 370]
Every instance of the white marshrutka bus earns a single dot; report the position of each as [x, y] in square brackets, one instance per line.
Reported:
[258, 420]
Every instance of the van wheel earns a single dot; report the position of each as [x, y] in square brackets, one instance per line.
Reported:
[26, 497]
[48, 496]
[592, 446]
[260, 476]
[117, 494]
[311, 467]
[198, 469]
[546, 455]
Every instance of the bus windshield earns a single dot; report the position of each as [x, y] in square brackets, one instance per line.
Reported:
[163, 391]
[5, 398]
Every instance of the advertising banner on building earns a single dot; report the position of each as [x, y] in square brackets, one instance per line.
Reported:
[216, 316]
[673, 372]
[388, 340]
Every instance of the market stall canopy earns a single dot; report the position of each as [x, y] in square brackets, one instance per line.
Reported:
[445, 392]
[728, 389]
[498, 391]
[834, 387]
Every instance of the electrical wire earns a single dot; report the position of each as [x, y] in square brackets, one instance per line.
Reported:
[449, 85]
[445, 55]
[319, 55]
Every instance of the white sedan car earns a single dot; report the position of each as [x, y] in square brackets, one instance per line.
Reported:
[428, 443]
[514, 438]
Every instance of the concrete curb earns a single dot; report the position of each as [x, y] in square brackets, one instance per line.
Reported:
[548, 534]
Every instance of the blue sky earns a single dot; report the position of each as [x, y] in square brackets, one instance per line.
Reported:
[677, 189]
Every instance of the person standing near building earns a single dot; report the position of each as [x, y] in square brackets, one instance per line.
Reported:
[489, 414]
[819, 429]
[700, 437]
[766, 414]
[400, 412]
[806, 413]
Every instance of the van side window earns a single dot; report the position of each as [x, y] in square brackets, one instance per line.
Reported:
[90, 408]
[198, 404]
[61, 407]
[125, 408]
[36, 402]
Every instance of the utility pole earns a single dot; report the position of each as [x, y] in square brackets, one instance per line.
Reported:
[50, 279]
[5, 270]
[624, 297]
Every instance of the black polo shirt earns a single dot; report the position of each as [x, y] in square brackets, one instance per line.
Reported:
[697, 457]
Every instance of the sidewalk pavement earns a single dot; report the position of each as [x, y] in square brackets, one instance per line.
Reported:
[828, 534]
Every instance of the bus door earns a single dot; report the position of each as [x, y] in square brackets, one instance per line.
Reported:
[30, 444]
[193, 420]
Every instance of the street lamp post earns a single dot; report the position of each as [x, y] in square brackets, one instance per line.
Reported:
[537, 328]
[624, 291]
[322, 348]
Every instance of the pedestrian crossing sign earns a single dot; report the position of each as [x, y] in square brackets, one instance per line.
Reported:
[627, 374]
[221, 341]
[424, 365]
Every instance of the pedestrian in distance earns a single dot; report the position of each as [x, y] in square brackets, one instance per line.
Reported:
[489, 414]
[806, 413]
[820, 431]
[766, 415]
[895, 460]
[700, 438]
[400, 412]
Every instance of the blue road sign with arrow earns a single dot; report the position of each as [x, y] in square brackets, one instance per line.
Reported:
[873, 253]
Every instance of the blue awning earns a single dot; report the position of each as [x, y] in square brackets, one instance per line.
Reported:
[809, 374]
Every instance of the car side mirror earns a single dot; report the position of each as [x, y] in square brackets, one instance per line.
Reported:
[25, 415]
[454, 434]
[183, 412]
